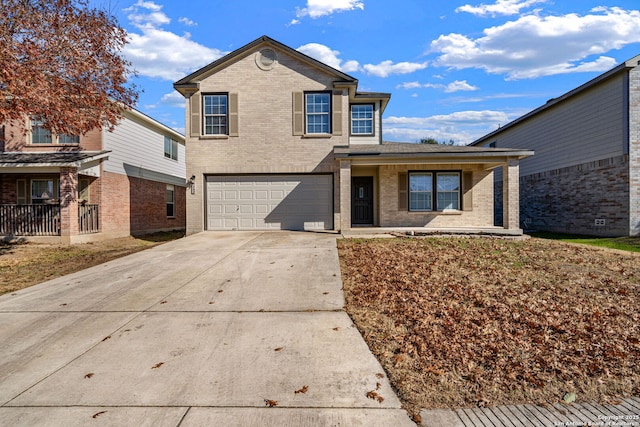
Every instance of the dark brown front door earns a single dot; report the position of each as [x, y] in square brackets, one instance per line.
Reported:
[362, 200]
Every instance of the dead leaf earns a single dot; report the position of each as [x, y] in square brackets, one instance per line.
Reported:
[106, 338]
[375, 396]
[97, 414]
[302, 390]
[157, 365]
[163, 302]
[270, 403]
[336, 328]
[278, 348]
[89, 375]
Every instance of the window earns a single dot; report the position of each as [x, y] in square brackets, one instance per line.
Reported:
[171, 201]
[420, 191]
[362, 119]
[170, 148]
[43, 191]
[318, 112]
[40, 135]
[215, 114]
[424, 185]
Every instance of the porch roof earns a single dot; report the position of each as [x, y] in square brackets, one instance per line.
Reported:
[50, 159]
[403, 152]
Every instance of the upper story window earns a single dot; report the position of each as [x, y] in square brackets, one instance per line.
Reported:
[362, 119]
[423, 186]
[216, 114]
[318, 112]
[40, 135]
[170, 148]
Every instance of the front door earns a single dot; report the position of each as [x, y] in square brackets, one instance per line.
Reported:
[362, 200]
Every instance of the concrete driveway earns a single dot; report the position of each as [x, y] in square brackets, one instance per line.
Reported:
[205, 330]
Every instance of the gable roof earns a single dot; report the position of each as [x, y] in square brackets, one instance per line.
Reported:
[188, 81]
[624, 67]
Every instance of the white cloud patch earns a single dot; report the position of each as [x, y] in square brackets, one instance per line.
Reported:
[456, 86]
[329, 56]
[386, 68]
[534, 46]
[157, 53]
[318, 8]
[500, 7]
[188, 22]
[463, 127]
[173, 99]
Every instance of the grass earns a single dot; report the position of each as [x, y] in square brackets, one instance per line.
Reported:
[481, 322]
[631, 244]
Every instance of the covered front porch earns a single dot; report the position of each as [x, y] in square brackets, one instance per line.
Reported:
[423, 188]
[47, 196]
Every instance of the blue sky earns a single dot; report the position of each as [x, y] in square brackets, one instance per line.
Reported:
[456, 69]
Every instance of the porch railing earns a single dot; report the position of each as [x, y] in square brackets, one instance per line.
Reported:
[44, 220]
[30, 220]
[88, 219]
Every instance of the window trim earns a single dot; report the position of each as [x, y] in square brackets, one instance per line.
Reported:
[54, 199]
[329, 113]
[434, 190]
[170, 203]
[373, 119]
[172, 154]
[54, 138]
[204, 116]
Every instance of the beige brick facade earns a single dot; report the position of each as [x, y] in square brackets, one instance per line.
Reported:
[265, 137]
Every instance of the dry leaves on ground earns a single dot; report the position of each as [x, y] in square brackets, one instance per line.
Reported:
[462, 322]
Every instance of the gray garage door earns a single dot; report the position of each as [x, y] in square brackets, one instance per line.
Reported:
[270, 202]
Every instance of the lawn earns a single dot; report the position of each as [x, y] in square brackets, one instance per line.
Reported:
[631, 244]
[461, 322]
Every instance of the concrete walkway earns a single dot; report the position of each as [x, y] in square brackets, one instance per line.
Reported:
[213, 329]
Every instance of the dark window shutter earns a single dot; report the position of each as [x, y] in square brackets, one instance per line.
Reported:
[403, 198]
[298, 113]
[337, 113]
[233, 114]
[467, 188]
[195, 114]
[21, 191]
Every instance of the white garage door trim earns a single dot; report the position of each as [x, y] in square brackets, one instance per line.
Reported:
[269, 202]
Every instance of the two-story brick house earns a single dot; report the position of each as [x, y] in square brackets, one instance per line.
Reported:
[278, 140]
[105, 184]
[585, 176]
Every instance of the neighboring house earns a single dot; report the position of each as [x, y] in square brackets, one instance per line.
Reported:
[105, 184]
[278, 140]
[585, 176]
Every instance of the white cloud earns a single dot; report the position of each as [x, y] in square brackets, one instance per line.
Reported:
[534, 46]
[173, 99]
[188, 22]
[462, 126]
[329, 56]
[500, 7]
[318, 8]
[456, 86]
[385, 68]
[157, 53]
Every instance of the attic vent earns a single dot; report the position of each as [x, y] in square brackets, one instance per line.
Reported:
[266, 59]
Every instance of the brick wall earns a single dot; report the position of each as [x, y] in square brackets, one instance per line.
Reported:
[480, 216]
[571, 199]
[266, 143]
[148, 207]
[114, 204]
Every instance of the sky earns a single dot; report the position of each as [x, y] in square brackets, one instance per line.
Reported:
[456, 69]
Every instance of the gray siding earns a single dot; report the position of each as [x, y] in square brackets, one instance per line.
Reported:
[587, 127]
[134, 144]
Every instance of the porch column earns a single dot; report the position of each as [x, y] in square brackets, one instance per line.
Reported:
[68, 204]
[511, 195]
[345, 195]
